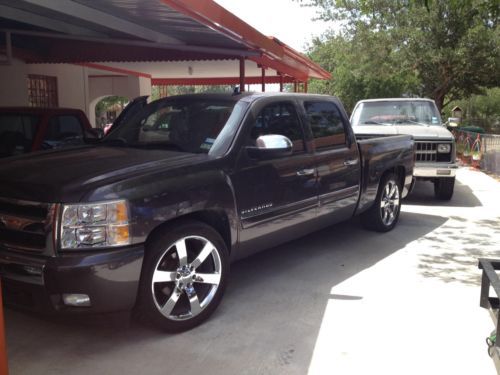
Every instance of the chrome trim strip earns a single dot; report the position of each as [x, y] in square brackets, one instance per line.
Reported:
[339, 194]
[279, 212]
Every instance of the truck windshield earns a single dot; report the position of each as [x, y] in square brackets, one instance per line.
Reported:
[397, 112]
[183, 124]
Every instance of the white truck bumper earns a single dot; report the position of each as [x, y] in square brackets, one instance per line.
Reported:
[432, 170]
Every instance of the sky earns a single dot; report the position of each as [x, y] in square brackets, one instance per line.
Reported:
[283, 19]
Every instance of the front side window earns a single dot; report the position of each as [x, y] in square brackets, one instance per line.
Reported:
[326, 124]
[282, 119]
[187, 124]
[17, 132]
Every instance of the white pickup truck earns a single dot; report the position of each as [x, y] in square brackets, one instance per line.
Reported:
[435, 145]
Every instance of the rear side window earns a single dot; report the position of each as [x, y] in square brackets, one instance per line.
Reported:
[63, 131]
[17, 132]
[279, 118]
[326, 124]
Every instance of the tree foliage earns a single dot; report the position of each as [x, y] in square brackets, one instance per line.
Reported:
[480, 110]
[443, 49]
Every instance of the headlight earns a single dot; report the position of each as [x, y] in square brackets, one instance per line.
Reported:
[95, 225]
[444, 148]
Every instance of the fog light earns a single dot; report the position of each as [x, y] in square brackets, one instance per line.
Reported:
[76, 300]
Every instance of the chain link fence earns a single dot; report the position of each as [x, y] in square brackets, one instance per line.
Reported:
[479, 150]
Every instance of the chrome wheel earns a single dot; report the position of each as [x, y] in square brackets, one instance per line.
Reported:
[389, 203]
[186, 278]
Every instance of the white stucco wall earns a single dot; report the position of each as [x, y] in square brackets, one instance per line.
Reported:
[75, 89]
[13, 86]
[127, 86]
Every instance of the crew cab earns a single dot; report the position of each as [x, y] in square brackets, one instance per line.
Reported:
[151, 217]
[28, 129]
[419, 118]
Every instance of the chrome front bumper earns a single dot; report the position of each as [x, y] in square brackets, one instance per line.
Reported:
[433, 170]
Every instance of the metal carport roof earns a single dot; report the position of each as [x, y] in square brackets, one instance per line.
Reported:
[80, 31]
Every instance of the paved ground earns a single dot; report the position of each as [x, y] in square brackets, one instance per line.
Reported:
[341, 301]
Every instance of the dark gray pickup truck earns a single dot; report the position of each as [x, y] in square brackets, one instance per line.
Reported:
[150, 217]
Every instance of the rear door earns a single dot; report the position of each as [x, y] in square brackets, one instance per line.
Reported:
[275, 198]
[337, 159]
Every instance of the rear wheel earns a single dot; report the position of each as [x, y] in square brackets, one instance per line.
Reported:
[184, 275]
[384, 214]
[443, 188]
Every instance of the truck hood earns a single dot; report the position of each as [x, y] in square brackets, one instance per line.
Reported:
[65, 175]
[427, 132]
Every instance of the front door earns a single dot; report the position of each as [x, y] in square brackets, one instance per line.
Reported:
[274, 196]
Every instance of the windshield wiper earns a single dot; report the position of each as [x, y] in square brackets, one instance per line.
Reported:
[371, 122]
[114, 142]
[415, 122]
[158, 145]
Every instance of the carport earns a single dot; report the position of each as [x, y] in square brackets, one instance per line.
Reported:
[122, 47]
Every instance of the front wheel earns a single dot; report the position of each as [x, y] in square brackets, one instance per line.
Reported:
[184, 275]
[443, 188]
[384, 214]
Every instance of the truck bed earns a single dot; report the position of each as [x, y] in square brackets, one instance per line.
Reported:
[379, 154]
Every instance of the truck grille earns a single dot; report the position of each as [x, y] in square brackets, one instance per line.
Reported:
[427, 152]
[26, 226]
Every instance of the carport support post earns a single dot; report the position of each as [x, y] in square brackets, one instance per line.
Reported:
[263, 78]
[242, 74]
[3, 348]
[305, 86]
[281, 82]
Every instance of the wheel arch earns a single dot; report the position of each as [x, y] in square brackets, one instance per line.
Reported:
[217, 219]
[400, 173]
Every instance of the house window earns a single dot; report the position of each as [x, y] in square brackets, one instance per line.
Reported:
[42, 91]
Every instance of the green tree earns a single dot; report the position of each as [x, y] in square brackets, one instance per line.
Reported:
[450, 47]
[480, 110]
[362, 65]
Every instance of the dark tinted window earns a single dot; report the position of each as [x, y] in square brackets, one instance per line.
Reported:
[17, 132]
[183, 124]
[326, 124]
[63, 131]
[279, 118]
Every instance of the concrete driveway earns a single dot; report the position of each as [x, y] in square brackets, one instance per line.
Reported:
[340, 301]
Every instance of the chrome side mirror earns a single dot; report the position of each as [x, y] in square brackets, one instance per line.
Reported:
[271, 146]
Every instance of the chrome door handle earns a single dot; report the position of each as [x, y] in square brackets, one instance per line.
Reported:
[306, 172]
[351, 162]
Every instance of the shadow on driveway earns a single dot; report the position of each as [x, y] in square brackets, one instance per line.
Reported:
[423, 195]
[268, 321]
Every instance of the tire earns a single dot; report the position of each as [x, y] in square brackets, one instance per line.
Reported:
[183, 277]
[443, 188]
[384, 214]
